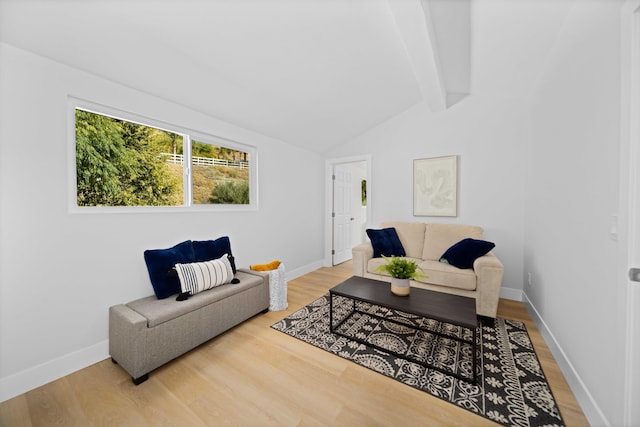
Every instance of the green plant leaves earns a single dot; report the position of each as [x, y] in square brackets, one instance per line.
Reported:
[400, 268]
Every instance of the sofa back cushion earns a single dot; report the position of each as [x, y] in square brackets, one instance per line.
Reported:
[440, 237]
[411, 236]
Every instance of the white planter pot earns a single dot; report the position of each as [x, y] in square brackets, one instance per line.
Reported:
[400, 287]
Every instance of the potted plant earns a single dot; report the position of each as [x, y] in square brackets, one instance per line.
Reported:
[401, 271]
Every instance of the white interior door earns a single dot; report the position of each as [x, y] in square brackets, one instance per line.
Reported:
[633, 388]
[631, 134]
[359, 168]
[342, 214]
[632, 297]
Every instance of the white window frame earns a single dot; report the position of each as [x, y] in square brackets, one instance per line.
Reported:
[188, 136]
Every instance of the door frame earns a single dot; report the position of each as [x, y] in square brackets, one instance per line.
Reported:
[630, 202]
[328, 202]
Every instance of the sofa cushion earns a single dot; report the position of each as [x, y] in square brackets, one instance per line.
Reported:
[447, 275]
[374, 264]
[385, 242]
[433, 272]
[196, 277]
[440, 237]
[160, 263]
[160, 311]
[206, 250]
[411, 236]
[466, 251]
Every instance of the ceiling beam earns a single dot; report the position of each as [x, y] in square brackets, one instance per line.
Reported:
[437, 37]
[451, 21]
[416, 30]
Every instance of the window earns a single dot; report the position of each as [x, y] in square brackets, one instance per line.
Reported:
[123, 160]
[220, 174]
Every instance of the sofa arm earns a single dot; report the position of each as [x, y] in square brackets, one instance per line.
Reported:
[489, 271]
[361, 256]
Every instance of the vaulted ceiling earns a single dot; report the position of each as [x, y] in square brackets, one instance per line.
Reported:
[313, 73]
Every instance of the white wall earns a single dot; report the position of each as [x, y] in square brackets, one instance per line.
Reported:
[486, 135]
[60, 272]
[572, 172]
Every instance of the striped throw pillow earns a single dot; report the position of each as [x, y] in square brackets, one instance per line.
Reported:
[196, 277]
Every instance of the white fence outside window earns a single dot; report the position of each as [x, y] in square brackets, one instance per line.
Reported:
[207, 161]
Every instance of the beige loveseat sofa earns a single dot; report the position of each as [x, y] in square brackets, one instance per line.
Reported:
[147, 333]
[425, 243]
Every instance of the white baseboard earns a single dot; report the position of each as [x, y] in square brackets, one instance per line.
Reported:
[22, 382]
[510, 293]
[588, 405]
[301, 271]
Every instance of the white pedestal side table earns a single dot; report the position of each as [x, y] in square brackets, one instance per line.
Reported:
[277, 289]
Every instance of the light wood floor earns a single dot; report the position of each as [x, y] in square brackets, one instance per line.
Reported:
[256, 376]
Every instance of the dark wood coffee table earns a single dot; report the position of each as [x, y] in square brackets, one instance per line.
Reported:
[447, 308]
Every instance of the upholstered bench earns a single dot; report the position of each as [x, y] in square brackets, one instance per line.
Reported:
[199, 294]
[147, 333]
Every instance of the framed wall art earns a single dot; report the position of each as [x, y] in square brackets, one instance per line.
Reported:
[435, 186]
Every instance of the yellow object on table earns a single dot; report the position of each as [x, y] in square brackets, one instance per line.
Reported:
[265, 267]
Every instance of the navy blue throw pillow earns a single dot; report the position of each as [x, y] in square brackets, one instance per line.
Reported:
[385, 242]
[465, 252]
[206, 250]
[160, 262]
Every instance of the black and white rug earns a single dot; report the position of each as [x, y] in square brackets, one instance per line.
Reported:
[511, 390]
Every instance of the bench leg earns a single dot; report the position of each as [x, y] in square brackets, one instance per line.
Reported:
[136, 381]
[140, 380]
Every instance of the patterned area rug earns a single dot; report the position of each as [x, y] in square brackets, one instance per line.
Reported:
[511, 390]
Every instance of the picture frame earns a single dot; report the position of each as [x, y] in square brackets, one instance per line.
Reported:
[435, 186]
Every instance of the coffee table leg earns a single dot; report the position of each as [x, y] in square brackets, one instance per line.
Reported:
[334, 328]
[331, 311]
[475, 355]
